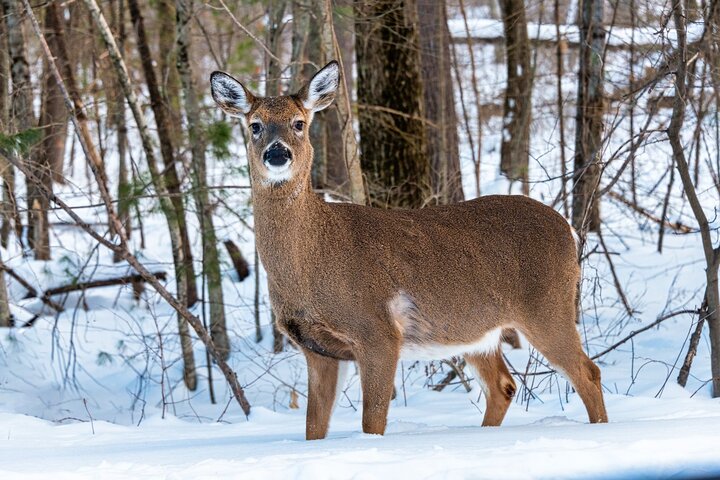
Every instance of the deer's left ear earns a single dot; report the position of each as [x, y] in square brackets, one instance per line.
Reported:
[319, 93]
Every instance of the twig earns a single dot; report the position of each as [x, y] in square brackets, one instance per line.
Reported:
[676, 226]
[636, 332]
[616, 280]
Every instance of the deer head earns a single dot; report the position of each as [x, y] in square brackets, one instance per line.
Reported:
[279, 149]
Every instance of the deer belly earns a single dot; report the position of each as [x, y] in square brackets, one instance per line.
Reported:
[314, 337]
[436, 351]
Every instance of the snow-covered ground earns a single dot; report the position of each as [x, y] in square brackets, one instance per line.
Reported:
[89, 392]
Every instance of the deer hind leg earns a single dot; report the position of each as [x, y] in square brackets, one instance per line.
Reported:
[496, 382]
[562, 348]
[322, 385]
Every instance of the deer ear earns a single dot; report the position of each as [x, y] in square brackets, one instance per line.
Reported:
[319, 93]
[230, 94]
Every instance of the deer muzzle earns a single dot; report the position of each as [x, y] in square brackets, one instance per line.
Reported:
[277, 156]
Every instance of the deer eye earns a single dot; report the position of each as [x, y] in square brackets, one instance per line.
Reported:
[256, 128]
[299, 125]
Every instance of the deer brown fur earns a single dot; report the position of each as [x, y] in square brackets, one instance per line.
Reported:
[350, 282]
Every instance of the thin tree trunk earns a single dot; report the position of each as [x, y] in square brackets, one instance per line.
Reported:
[5, 315]
[589, 119]
[349, 144]
[21, 104]
[48, 159]
[273, 87]
[211, 258]
[477, 159]
[117, 9]
[515, 146]
[184, 269]
[390, 97]
[307, 56]
[273, 81]
[442, 136]
[158, 180]
[55, 122]
[559, 50]
[8, 209]
[712, 255]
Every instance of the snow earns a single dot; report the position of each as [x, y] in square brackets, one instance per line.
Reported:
[551, 448]
[88, 393]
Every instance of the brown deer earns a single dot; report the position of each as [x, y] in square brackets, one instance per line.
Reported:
[349, 282]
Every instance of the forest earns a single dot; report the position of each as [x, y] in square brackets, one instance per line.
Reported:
[137, 334]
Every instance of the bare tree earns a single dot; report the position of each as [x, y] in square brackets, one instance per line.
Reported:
[390, 103]
[21, 106]
[116, 106]
[5, 315]
[441, 120]
[712, 253]
[589, 118]
[182, 254]
[515, 146]
[211, 258]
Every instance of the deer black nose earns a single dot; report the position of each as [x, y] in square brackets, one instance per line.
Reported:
[277, 155]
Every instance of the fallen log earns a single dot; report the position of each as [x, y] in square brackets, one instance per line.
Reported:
[107, 282]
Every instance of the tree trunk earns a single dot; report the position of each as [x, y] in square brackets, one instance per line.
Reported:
[8, 209]
[273, 86]
[184, 269]
[21, 106]
[211, 258]
[5, 315]
[117, 112]
[589, 119]
[441, 129]
[53, 124]
[308, 55]
[55, 120]
[273, 81]
[390, 103]
[158, 180]
[515, 146]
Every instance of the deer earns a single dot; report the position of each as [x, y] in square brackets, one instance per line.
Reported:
[350, 282]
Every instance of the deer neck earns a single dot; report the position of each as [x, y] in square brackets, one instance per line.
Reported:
[286, 226]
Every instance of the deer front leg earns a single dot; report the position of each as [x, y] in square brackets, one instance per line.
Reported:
[377, 371]
[322, 382]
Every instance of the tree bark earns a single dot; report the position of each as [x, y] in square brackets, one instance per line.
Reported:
[515, 146]
[441, 127]
[589, 119]
[182, 255]
[390, 98]
[211, 258]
